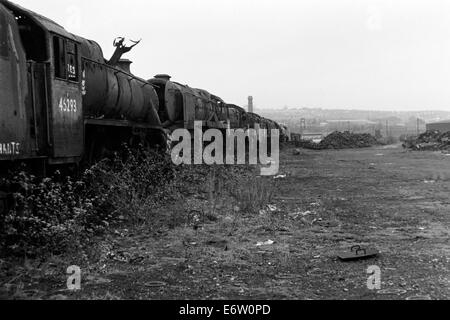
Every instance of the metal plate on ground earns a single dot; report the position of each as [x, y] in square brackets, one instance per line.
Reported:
[357, 253]
[155, 284]
[287, 276]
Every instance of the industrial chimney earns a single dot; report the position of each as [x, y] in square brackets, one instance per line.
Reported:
[250, 104]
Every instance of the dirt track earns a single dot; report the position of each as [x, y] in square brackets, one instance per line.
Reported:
[384, 197]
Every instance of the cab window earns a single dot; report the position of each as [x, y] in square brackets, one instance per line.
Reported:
[65, 55]
[4, 46]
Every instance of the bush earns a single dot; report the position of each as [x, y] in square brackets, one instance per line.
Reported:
[54, 215]
[138, 188]
[48, 216]
[129, 189]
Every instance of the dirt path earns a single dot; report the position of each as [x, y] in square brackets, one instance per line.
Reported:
[384, 197]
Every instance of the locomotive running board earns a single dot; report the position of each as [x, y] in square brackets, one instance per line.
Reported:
[120, 123]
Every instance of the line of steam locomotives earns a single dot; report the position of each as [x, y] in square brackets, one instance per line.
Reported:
[62, 102]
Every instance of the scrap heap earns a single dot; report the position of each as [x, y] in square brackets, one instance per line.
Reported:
[341, 140]
[430, 140]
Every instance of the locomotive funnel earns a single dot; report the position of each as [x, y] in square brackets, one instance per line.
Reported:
[124, 65]
[165, 77]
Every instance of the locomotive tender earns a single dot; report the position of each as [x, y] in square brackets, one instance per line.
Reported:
[62, 102]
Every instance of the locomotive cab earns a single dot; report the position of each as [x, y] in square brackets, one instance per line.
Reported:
[14, 116]
[48, 104]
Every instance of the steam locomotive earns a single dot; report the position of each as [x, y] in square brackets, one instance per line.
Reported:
[61, 101]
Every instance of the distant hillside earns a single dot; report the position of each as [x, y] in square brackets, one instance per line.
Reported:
[324, 121]
[341, 114]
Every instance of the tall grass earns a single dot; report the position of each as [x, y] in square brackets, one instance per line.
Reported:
[254, 193]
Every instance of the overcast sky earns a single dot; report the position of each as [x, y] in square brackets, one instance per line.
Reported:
[363, 54]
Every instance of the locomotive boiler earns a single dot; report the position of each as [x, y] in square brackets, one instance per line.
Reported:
[110, 91]
[181, 106]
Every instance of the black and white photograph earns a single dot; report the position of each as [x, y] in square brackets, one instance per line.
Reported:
[240, 153]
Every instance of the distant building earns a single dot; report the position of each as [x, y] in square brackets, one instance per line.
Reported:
[442, 126]
[250, 104]
[352, 121]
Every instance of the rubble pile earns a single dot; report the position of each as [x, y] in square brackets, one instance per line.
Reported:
[342, 140]
[430, 140]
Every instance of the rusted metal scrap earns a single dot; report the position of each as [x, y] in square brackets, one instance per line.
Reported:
[357, 252]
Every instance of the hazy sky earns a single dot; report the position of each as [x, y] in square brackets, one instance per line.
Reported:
[367, 54]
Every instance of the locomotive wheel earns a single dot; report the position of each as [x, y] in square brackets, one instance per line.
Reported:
[3, 202]
[134, 142]
[97, 151]
[90, 157]
[139, 142]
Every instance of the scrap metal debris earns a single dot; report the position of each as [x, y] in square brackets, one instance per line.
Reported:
[270, 208]
[392, 291]
[430, 140]
[154, 284]
[266, 243]
[357, 252]
[341, 140]
[297, 214]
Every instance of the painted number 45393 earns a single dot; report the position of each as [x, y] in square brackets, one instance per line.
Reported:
[67, 105]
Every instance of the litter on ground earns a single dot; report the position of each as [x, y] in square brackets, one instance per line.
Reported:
[267, 243]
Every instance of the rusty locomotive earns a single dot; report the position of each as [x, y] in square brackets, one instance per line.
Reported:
[61, 101]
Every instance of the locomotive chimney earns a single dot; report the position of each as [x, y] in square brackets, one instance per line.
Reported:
[124, 65]
[164, 77]
[250, 104]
